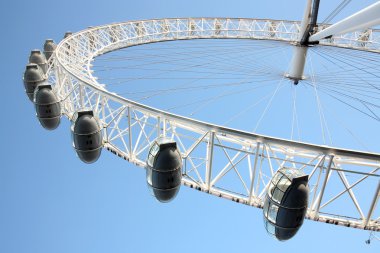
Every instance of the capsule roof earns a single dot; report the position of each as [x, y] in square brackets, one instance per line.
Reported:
[284, 180]
[36, 56]
[43, 95]
[86, 123]
[159, 146]
[165, 142]
[33, 73]
[49, 45]
[67, 34]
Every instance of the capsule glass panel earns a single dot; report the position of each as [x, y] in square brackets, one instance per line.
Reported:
[285, 203]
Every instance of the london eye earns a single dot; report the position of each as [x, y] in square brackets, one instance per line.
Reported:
[144, 91]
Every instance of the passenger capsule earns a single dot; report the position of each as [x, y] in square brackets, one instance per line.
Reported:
[33, 76]
[286, 203]
[87, 136]
[49, 48]
[67, 34]
[48, 108]
[37, 57]
[164, 169]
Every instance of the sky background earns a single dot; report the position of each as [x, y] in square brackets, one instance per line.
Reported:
[52, 202]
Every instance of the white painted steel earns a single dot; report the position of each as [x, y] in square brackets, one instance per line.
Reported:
[297, 64]
[374, 203]
[130, 127]
[305, 20]
[363, 19]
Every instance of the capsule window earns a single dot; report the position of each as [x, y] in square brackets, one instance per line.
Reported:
[284, 184]
[277, 196]
[272, 212]
[266, 206]
[277, 178]
[271, 189]
[271, 229]
[149, 176]
[150, 160]
[152, 153]
[155, 148]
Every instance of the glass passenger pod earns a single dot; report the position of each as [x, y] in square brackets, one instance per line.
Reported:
[33, 76]
[286, 203]
[87, 136]
[48, 108]
[49, 48]
[164, 169]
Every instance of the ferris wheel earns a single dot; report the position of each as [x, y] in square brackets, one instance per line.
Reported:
[84, 78]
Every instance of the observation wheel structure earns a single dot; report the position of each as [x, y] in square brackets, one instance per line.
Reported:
[212, 154]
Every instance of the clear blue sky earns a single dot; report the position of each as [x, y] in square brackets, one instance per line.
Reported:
[52, 202]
